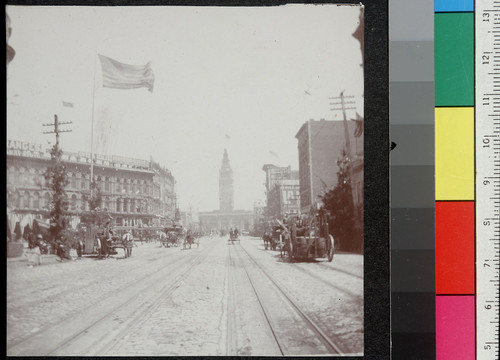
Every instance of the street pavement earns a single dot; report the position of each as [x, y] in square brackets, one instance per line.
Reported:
[217, 299]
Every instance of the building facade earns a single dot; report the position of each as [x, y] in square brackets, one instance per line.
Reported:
[320, 144]
[134, 192]
[284, 199]
[259, 219]
[221, 221]
[282, 191]
[226, 217]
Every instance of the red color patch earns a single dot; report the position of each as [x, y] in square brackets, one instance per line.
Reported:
[455, 247]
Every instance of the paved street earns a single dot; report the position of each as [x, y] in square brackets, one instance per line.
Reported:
[215, 299]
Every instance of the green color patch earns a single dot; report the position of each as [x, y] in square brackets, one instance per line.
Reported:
[454, 59]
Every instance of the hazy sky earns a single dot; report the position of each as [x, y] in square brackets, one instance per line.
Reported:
[240, 78]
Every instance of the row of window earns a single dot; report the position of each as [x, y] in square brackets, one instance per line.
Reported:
[77, 183]
[35, 200]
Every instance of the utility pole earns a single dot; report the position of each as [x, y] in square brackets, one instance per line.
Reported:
[56, 131]
[346, 105]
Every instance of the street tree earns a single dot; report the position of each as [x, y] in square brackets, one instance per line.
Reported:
[339, 204]
[56, 180]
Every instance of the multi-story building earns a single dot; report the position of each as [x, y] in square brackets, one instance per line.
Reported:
[320, 144]
[282, 189]
[134, 192]
[284, 199]
[259, 220]
[226, 217]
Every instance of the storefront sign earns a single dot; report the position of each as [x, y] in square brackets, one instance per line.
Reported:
[23, 148]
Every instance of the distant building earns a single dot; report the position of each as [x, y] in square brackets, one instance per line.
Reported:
[275, 174]
[134, 192]
[320, 144]
[189, 219]
[259, 220]
[226, 189]
[220, 221]
[284, 198]
[282, 189]
[226, 217]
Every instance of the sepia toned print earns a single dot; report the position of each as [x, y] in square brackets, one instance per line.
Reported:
[185, 181]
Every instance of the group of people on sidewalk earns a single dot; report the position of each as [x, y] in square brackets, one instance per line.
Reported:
[37, 247]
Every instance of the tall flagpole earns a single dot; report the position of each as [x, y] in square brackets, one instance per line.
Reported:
[92, 133]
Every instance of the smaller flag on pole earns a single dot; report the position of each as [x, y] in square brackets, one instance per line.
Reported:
[118, 75]
[67, 104]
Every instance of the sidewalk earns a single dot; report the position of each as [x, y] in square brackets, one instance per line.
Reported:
[46, 259]
[24, 258]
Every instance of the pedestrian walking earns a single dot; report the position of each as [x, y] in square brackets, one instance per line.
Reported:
[128, 243]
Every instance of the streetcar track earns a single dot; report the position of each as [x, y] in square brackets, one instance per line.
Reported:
[146, 314]
[98, 300]
[329, 283]
[340, 270]
[108, 313]
[334, 345]
[232, 338]
[79, 287]
[263, 308]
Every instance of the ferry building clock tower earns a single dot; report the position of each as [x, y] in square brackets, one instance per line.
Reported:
[226, 185]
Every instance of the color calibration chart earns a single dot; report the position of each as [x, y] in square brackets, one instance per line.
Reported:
[467, 143]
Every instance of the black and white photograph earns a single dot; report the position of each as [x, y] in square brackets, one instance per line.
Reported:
[185, 180]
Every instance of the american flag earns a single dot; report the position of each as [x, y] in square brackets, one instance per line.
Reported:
[118, 75]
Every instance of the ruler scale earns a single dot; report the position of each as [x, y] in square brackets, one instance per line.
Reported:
[487, 182]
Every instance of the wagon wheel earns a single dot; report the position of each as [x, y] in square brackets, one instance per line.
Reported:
[330, 247]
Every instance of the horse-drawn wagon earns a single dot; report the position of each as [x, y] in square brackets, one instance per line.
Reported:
[190, 239]
[308, 238]
[234, 235]
[119, 237]
[173, 236]
[274, 237]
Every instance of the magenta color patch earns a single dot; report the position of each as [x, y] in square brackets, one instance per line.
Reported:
[455, 331]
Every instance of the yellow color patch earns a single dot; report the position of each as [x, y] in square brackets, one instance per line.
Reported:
[454, 143]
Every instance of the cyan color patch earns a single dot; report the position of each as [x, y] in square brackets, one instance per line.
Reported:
[453, 5]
